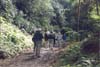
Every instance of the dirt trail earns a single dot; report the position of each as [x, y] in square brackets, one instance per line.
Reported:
[26, 59]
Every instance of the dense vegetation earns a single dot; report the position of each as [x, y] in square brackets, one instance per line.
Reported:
[51, 14]
[80, 55]
[19, 18]
[12, 40]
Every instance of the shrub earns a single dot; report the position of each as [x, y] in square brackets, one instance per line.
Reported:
[73, 57]
[90, 46]
[12, 40]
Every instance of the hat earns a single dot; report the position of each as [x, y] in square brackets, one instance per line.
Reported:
[48, 32]
[39, 29]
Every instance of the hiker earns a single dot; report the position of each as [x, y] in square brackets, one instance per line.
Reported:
[51, 39]
[37, 39]
[46, 39]
[64, 37]
[54, 39]
[59, 40]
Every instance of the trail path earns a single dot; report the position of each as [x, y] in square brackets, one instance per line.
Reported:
[26, 59]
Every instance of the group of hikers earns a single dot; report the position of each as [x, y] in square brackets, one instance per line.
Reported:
[52, 39]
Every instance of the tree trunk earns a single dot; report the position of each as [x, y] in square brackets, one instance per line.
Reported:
[97, 7]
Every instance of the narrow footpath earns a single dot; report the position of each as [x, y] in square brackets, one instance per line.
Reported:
[26, 59]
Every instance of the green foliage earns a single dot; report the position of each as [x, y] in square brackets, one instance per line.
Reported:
[23, 23]
[50, 13]
[90, 46]
[73, 57]
[7, 9]
[2, 20]
[12, 40]
[72, 53]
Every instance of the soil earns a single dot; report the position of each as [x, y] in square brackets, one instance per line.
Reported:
[26, 59]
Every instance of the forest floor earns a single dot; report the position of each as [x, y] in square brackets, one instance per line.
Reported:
[26, 59]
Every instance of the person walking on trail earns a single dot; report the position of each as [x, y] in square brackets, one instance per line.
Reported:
[49, 38]
[37, 39]
[64, 37]
[47, 33]
[59, 40]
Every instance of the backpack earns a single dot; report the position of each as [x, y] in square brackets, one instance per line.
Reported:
[64, 37]
[37, 36]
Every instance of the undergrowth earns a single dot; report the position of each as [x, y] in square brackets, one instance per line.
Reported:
[12, 40]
